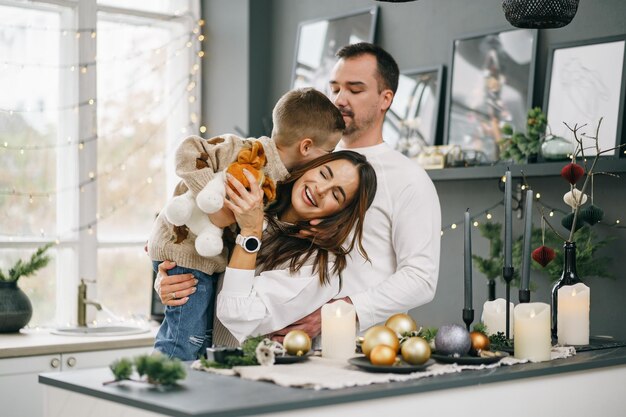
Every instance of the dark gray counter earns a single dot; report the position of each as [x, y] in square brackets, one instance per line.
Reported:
[204, 394]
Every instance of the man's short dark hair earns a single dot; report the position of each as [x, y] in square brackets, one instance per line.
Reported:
[388, 71]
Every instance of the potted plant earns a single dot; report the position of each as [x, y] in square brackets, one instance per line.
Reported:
[520, 147]
[15, 307]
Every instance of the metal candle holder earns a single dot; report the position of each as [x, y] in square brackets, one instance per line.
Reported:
[507, 274]
[468, 317]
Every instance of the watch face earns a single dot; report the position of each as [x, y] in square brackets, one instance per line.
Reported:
[251, 244]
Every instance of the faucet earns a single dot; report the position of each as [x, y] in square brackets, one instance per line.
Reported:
[83, 302]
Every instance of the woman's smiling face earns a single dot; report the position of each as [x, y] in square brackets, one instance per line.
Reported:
[323, 191]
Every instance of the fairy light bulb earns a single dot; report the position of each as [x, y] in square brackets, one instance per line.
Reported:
[188, 44]
[442, 233]
[90, 230]
[489, 216]
[201, 54]
[201, 38]
[503, 179]
[91, 101]
[617, 221]
[77, 35]
[72, 68]
[538, 196]
[92, 175]
[93, 34]
[551, 213]
[192, 99]
[202, 129]
[453, 226]
[523, 187]
[81, 145]
[83, 70]
[201, 22]
[475, 224]
[196, 30]
[149, 180]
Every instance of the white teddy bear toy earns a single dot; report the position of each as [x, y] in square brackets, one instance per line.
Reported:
[185, 210]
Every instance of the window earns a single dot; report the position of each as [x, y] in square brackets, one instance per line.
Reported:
[90, 117]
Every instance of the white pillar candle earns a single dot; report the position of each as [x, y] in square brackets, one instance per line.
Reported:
[532, 332]
[494, 316]
[573, 314]
[338, 330]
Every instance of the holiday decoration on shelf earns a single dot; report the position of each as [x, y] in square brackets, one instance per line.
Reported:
[543, 255]
[158, 370]
[480, 342]
[452, 339]
[383, 355]
[592, 214]
[401, 323]
[379, 335]
[572, 173]
[415, 350]
[297, 343]
[524, 147]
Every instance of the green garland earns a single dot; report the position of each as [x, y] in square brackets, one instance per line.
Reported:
[247, 359]
[23, 269]
[158, 370]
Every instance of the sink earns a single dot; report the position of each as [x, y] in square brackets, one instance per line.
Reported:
[100, 331]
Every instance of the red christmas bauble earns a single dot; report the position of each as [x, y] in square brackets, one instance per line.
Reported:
[543, 255]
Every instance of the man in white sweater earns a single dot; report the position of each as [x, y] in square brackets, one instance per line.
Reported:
[402, 228]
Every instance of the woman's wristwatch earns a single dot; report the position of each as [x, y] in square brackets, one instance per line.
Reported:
[250, 244]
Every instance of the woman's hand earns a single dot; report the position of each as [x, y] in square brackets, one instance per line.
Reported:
[247, 206]
[173, 290]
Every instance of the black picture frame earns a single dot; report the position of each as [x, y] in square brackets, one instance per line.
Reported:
[481, 100]
[582, 76]
[413, 121]
[319, 39]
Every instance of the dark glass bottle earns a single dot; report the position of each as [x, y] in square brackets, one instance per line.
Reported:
[569, 277]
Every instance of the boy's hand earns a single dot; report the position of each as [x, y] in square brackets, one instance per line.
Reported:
[222, 218]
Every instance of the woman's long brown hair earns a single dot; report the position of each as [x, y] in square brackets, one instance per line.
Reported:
[283, 243]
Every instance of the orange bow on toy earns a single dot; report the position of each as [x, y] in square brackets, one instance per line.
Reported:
[253, 159]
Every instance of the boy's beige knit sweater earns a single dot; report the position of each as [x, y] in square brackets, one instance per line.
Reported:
[220, 151]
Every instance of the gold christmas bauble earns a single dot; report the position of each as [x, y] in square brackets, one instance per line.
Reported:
[383, 355]
[379, 335]
[415, 350]
[401, 323]
[479, 342]
[297, 343]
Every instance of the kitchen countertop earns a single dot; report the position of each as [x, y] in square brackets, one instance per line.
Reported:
[210, 395]
[31, 342]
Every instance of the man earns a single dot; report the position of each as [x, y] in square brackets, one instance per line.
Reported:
[402, 228]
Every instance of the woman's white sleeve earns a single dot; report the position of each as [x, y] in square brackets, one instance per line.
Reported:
[251, 306]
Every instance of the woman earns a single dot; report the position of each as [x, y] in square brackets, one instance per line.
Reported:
[299, 264]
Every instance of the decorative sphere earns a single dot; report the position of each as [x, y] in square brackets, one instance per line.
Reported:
[415, 350]
[401, 323]
[383, 355]
[453, 339]
[297, 343]
[379, 335]
[479, 342]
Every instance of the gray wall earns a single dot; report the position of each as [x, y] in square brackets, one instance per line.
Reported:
[421, 34]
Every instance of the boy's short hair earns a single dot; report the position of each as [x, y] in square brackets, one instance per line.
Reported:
[305, 113]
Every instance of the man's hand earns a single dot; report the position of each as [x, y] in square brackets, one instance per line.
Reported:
[311, 324]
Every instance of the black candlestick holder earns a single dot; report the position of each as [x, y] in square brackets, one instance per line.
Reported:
[524, 296]
[491, 290]
[468, 317]
[507, 274]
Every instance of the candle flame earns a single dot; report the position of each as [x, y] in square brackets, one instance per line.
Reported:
[532, 313]
[573, 292]
[338, 313]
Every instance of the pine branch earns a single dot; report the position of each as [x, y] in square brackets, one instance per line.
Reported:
[37, 261]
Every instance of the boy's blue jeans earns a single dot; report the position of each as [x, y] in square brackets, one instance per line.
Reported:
[187, 330]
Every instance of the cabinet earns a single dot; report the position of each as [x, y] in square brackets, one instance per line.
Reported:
[20, 392]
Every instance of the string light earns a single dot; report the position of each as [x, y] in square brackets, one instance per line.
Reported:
[489, 216]
[453, 226]
[538, 196]
[475, 224]
[202, 129]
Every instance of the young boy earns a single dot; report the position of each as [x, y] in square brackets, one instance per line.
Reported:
[306, 125]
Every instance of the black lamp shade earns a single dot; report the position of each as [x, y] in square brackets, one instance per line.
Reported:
[539, 14]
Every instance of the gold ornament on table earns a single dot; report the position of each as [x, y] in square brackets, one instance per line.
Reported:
[401, 323]
[415, 350]
[480, 342]
[297, 343]
[383, 355]
[379, 335]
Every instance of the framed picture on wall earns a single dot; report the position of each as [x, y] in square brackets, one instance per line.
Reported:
[490, 84]
[318, 41]
[412, 121]
[586, 82]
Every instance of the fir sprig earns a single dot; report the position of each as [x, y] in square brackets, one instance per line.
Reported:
[480, 328]
[37, 261]
[158, 370]
[499, 341]
[428, 333]
[248, 358]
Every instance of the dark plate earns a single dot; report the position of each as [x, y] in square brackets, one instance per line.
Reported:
[287, 359]
[469, 360]
[401, 368]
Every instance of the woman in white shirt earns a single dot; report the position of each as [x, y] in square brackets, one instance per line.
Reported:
[297, 268]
